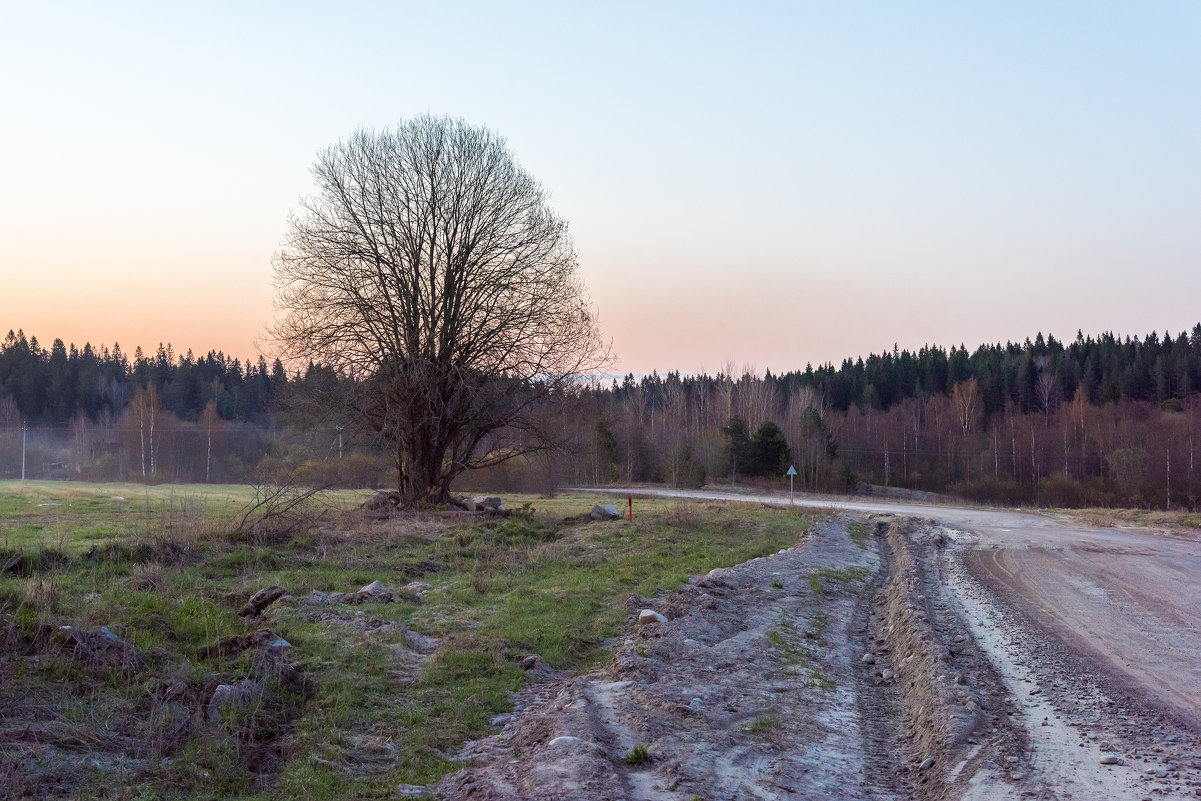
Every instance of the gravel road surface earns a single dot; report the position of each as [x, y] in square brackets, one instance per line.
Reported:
[1096, 632]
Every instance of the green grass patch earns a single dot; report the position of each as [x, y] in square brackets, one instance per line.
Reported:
[761, 726]
[827, 579]
[359, 712]
[639, 755]
[859, 532]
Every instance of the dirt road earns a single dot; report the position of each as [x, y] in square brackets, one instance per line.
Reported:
[897, 651]
[1128, 599]
[1095, 632]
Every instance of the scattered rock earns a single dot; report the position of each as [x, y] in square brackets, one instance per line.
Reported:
[1110, 759]
[240, 695]
[565, 739]
[412, 790]
[13, 564]
[232, 646]
[650, 616]
[101, 646]
[375, 588]
[381, 505]
[318, 598]
[927, 763]
[261, 600]
[868, 659]
[886, 674]
[375, 592]
[381, 500]
[486, 503]
[416, 590]
[419, 642]
[604, 511]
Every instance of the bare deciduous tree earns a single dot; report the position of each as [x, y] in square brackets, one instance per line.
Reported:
[9, 413]
[966, 397]
[209, 419]
[146, 407]
[429, 269]
[1047, 390]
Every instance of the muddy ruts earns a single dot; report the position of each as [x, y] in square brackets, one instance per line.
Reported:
[943, 686]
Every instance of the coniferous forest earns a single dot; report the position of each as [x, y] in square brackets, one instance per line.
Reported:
[1100, 420]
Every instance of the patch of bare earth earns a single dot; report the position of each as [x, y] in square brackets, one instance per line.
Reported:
[845, 667]
[753, 688]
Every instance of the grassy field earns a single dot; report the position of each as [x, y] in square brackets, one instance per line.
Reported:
[362, 701]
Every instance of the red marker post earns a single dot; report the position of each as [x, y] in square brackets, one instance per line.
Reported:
[631, 508]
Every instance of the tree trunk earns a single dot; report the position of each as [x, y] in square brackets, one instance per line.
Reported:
[142, 438]
[152, 416]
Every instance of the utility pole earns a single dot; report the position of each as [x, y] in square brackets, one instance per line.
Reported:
[24, 434]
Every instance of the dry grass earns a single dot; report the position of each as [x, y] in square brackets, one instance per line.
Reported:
[1176, 522]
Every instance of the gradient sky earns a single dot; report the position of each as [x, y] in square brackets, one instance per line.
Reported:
[763, 184]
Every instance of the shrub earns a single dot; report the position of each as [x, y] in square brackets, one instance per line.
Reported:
[1060, 489]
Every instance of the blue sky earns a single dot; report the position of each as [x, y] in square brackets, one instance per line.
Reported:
[767, 184]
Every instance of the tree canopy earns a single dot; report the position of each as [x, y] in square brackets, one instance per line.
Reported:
[429, 268]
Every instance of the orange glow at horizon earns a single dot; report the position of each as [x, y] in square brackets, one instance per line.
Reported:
[790, 185]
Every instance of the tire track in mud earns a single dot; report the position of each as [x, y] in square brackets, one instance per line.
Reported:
[952, 723]
[1076, 707]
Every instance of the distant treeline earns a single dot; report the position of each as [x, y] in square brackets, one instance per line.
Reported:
[1108, 369]
[1099, 421]
[57, 385]
[52, 386]
[99, 414]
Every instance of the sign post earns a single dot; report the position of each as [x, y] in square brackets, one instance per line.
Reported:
[791, 475]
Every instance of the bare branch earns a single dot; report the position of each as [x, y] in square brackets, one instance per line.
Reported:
[429, 269]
